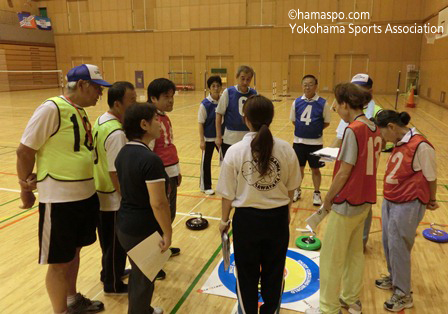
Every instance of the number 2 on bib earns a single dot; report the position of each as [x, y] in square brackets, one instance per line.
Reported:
[373, 154]
[397, 159]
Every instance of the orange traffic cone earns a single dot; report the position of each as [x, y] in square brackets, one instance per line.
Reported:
[411, 103]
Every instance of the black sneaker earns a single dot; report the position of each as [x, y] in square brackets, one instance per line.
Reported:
[122, 290]
[174, 251]
[126, 273]
[161, 275]
[84, 305]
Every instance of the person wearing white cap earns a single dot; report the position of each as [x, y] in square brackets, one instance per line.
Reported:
[370, 111]
[58, 140]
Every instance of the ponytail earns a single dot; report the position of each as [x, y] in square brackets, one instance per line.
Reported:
[259, 110]
[385, 117]
[262, 145]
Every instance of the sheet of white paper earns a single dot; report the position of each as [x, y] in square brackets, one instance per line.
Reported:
[148, 256]
[330, 153]
[314, 220]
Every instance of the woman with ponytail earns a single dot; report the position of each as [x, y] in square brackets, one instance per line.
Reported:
[410, 185]
[258, 177]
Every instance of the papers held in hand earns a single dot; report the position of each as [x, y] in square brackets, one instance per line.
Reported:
[226, 250]
[148, 256]
[314, 220]
[327, 153]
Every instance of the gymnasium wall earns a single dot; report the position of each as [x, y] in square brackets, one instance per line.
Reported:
[123, 36]
[434, 60]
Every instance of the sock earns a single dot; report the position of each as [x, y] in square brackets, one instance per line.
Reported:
[71, 299]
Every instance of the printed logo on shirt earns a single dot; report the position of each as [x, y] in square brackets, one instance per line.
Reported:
[254, 178]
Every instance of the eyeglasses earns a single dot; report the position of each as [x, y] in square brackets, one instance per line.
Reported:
[308, 85]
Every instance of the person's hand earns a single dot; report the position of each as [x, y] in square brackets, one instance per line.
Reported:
[326, 206]
[179, 179]
[432, 205]
[32, 181]
[29, 184]
[28, 198]
[218, 141]
[202, 145]
[165, 243]
[224, 226]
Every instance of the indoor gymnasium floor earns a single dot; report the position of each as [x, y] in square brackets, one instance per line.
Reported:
[22, 287]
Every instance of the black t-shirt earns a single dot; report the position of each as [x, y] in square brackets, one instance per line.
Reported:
[136, 165]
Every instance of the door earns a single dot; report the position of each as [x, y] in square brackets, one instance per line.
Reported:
[299, 66]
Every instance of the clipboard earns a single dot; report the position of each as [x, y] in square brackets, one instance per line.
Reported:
[148, 256]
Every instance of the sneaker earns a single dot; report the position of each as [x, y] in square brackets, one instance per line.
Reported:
[355, 308]
[385, 282]
[317, 200]
[208, 192]
[398, 302]
[84, 305]
[174, 251]
[126, 273]
[122, 290]
[158, 310]
[160, 275]
[297, 195]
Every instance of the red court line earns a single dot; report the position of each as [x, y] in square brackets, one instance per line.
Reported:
[17, 220]
[9, 174]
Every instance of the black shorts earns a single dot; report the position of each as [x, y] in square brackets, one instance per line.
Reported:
[63, 227]
[303, 153]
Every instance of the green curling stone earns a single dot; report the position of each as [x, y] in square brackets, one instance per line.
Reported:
[308, 243]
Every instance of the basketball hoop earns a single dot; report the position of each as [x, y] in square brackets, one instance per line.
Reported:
[431, 37]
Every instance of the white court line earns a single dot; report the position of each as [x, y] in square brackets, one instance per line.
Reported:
[11, 190]
[190, 211]
[208, 217]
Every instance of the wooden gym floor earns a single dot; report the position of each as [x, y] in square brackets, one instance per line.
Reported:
[22, 286]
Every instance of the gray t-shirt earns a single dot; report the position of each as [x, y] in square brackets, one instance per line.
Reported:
[349, 154]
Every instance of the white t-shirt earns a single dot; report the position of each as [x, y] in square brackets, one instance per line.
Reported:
[369, 112]
[43, 123]
[202, 116]
[326, 116]
[425, 157]
[230, 137]
[240, 181]
[114, 142]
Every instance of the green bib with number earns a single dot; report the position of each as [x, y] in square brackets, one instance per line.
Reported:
[376, 109]
[66, 155]
[103, 182]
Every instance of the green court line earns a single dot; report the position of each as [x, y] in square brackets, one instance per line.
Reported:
[196, 280]
[10, 201]
[18, 214]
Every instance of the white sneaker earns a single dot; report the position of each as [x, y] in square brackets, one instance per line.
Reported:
[158, 310]
[355, 308]
[297, 195]
[208, 192]
[317, 200]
